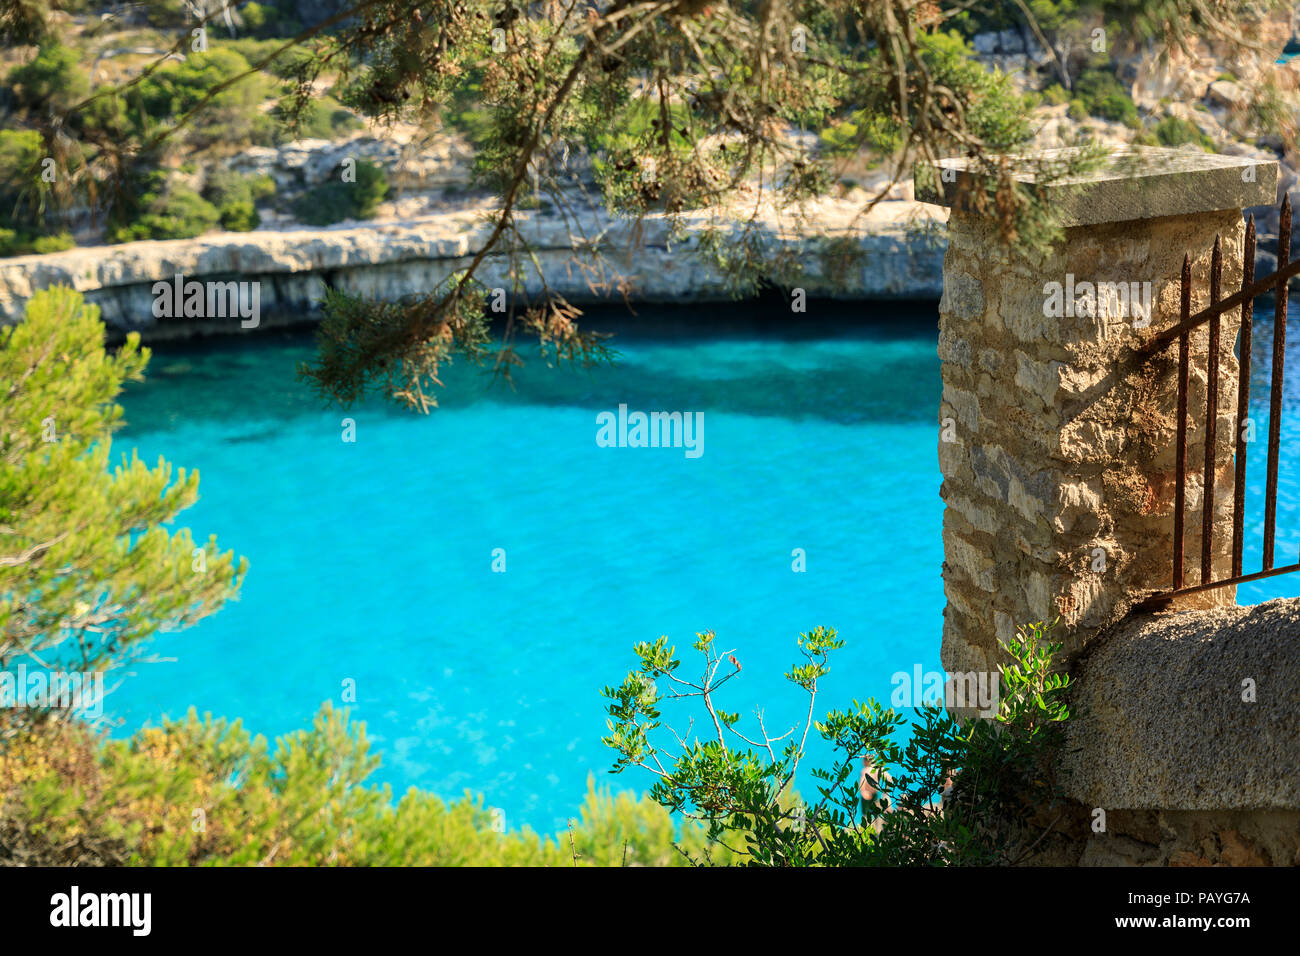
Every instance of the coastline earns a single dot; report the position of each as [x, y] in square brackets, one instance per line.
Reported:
[393, 258]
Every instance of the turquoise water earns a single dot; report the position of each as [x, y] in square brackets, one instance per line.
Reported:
[1287, 540]
[373, 561]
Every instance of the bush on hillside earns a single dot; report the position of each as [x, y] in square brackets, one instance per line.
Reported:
[55, 242]
[271, 19]
[163, 210]
[53, 82]
[27, 224]
[239, 216]
[1173, 131]
[326, 119]
[232, 117]
[235, 197]
[336, 200]
[168, 13]
[1098, 93]
[1055, 94]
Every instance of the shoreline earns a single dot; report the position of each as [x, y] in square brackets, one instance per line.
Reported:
[392, 259]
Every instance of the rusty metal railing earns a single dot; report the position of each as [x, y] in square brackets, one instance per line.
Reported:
[1251, 288]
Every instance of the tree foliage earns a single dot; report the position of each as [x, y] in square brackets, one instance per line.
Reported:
[688, 109]
[87, 568]
[204, 792]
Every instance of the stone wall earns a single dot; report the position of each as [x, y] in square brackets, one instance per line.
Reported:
[1186, 735]
[1169, 838]
[1057, 447]
[1058, 483]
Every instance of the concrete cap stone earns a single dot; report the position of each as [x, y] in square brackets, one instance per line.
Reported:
[1132, 183]
[1164, 720]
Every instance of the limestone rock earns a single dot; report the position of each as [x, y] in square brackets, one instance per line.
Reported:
[1165, 720]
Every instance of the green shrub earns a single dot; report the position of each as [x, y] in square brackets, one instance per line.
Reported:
[239, 216]
[18, 242]
[168, 13]
[14, 242]
[20, 159]
[205, 793]
[327, 118]
[1098, 93]
[256, 50]
[231, 117]
[839, 139]
[336, 200]
[1175, 132]
[860, 131]
[234, 196]
[258, 18]
[99, 567]
[999, 115]
[261, 187]
[55, 80]
[959, 792]
[55, 243]
[950, 60]
[163, 210]
[270, 19]
[26, 221]
[225, 186]
[325, 205]
[1055, 95]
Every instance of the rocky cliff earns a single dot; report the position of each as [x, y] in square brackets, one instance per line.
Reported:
[391, 259]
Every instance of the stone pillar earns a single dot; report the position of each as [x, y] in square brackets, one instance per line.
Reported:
[1057, 449]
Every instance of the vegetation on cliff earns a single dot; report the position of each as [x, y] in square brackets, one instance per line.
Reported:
[675, 107]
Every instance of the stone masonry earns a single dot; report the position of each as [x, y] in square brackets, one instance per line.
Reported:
[1056, 440]
[1057, 447]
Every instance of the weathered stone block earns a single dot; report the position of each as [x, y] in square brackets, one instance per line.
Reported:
[963, 296]
[953, 348]
[1041, 379]
[965, 406]
[969, 560]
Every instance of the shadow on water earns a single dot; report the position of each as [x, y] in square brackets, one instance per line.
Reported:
[253, 379]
